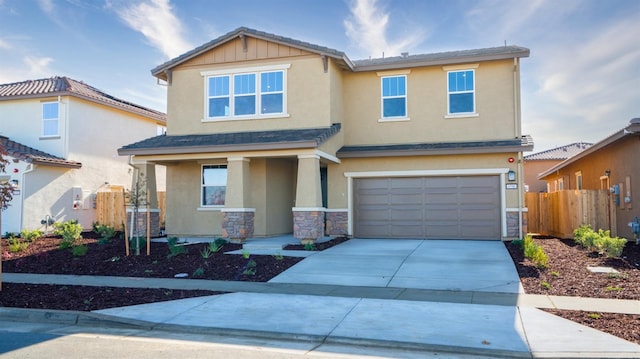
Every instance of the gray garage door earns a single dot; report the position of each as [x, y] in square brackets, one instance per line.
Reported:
[465, 207]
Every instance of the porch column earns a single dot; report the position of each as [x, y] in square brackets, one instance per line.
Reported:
[238, 219]
[308, 213]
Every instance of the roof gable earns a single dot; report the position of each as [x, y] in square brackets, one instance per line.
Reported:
[65, 86]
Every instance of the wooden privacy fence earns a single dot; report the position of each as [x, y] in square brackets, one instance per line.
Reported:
[110, 207]
[559, 213]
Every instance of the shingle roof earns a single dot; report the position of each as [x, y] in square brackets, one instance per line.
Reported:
[441, 58]
[62, 86]
[235, 141]
[517, 144]
[451, 57]
[32, 155]
[559, 153]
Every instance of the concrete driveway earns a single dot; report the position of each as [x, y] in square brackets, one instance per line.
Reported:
[459, 265]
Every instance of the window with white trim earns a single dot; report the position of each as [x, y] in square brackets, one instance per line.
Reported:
[461, 96]
[394, 96]
[50, 119]
[214, 185]
[246, 95]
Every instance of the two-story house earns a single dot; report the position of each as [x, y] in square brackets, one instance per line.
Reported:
[267, 135]
[62, 137]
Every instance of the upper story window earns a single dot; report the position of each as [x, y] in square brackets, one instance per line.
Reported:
[394, 97]
[247, 93]
[214, 185]
[461, 92]
[50, 119]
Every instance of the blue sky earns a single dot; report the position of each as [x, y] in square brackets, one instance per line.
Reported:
[581, 82]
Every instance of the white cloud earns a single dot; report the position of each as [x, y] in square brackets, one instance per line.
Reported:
[46, 6]
[367, 28]
[4, 45]
[38, 66]
[156, 21]
[30, 67]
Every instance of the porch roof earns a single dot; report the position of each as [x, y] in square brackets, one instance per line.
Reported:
[229, 142]
[524, 143]
[32, 155]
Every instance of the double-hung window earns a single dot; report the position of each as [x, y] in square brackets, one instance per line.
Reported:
[394, 97]
[461, 92]
[214, 185]
[50, 119]
[248, 93]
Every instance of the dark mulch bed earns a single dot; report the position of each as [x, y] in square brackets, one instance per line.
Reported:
[44, 256]
[567, 275]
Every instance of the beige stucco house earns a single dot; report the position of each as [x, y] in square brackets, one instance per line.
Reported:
[610, 164]
[268, 135]
[538, 162]
[61, 136]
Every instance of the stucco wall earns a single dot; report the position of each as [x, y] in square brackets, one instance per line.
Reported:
[531, 171]
[21, 121]
[427, 107]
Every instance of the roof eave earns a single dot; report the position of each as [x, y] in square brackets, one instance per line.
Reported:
[442, 61]
[216, 149]
[433, 152]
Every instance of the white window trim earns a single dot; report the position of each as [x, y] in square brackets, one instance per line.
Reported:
[474, 113]
[57, 119]
[257, 70]
[202, 206]
[406, 100]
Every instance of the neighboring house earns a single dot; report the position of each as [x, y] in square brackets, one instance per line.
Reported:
[268, 135]
[62, 136]
[610, 164]
[536, 163]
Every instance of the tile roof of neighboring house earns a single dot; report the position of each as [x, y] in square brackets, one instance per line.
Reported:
[236, 141]
[31, 155]
[63, 86]
[525, 143]
[451, 57]
[559, 153]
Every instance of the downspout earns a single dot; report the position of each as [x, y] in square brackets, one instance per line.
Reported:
[516, 120]
[65, 123]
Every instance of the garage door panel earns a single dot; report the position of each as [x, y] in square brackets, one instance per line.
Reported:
[428, 207]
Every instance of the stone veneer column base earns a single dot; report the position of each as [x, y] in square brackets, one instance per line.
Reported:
[238, 226]
[308, 226]
[512, 225]
[337, 223]
[140, 222]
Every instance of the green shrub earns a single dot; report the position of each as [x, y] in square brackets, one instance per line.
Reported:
[535, 253]
[69, 231]
[104, 231]
[31, 236]
[175, 248]
[16, 245]
[79, 250]
[600, 241]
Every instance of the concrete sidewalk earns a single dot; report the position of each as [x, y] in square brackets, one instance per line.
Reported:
[373, 293]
